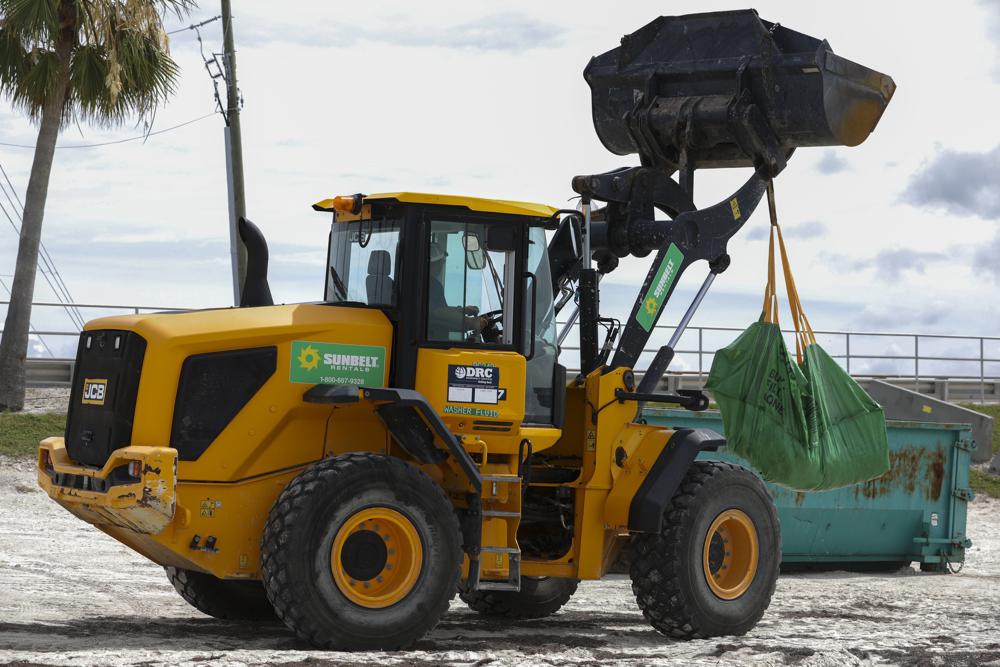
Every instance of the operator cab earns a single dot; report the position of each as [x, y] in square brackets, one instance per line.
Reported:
[466, 283]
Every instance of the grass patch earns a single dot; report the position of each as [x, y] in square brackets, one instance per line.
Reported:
[992, 411]
[20, 432]
[983, 483]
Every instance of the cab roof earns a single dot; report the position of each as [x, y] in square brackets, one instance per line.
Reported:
[472, 203]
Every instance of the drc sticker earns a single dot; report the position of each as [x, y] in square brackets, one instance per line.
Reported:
[336, 363]
[474, 384]
[94, 391]
[660, 287]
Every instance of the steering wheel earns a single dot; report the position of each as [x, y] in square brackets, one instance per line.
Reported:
[491, 332]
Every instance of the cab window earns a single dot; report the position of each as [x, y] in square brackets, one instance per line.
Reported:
[539, 389]
[467, 300]
[363, 262]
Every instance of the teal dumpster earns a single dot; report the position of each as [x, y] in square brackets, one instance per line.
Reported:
[915, 512]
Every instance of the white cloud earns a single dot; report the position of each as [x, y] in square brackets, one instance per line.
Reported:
[504, 31]
[832, 162]
[805, 230]
[962, 183]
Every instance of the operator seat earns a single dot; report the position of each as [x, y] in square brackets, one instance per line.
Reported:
[378, 283]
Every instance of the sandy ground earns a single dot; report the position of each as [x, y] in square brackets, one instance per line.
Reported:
[70, 595]
[46, 399]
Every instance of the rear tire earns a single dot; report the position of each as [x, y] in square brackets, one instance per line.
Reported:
[361, 552]
[712, 568]
[538, 597]
[222, 598]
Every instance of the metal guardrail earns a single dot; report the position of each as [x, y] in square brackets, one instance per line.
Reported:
[855, 362]
[919, 377]
[103, 306]
[55, 371]
[134, 310]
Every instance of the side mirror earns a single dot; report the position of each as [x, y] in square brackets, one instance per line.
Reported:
[475, 258]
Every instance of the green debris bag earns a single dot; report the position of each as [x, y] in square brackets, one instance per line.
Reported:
[802, 422]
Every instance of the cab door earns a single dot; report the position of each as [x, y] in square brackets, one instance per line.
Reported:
[470, 362]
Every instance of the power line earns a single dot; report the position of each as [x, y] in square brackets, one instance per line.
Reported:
[47, 271]
[120, 141]
[48, 266]
[219, 73]
[30, 326]
[195, 26]
[7, 178]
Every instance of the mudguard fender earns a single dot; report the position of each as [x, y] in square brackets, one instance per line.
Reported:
[664, 478]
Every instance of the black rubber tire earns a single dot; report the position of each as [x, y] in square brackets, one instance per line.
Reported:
[935, 568]
[222, 598]
[295, 553]
[538, 597]
[667, 569]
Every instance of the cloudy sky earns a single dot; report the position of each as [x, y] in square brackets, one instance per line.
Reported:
[487, 99]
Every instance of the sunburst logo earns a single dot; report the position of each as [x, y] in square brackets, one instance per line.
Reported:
[308, 358]
[650, 306]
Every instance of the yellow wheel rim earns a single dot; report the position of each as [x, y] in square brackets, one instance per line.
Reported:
[376, 557]
[730, 554]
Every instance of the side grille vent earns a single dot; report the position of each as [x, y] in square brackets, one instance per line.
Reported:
[213, 388]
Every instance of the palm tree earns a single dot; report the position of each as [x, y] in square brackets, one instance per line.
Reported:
[61, 61]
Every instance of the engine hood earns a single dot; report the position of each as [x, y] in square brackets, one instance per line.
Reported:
[218, 361]
[248, 326]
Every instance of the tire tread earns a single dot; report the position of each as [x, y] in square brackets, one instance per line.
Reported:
[514, 605]
[324, 476]
[656, 580]
[221, 598]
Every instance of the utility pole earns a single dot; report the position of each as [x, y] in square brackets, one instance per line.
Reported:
[234, 155]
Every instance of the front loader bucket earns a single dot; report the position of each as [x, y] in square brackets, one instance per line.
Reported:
[680, 91]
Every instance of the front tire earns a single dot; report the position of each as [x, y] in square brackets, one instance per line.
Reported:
[713, 567]
[361, 552]
[538, 597]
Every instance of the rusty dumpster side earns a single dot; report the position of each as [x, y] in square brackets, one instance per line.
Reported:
[916, 512]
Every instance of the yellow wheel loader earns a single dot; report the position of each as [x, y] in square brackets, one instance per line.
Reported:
[349, 465]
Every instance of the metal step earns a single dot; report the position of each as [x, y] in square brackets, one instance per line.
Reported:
[498, 514]
[499, 586]
[495, 480]
[513, 582]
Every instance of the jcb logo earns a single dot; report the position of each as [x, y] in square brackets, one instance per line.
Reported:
[94, 391]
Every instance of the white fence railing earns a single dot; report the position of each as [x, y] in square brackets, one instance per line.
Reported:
[917, 356]
[873, 354]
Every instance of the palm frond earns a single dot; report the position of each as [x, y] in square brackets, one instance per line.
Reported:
[120, 66]
[13, 60]
[39, 80]
[35, 20]
[88, 71]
